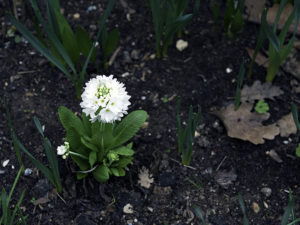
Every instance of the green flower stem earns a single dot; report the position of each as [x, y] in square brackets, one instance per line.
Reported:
[79, 155]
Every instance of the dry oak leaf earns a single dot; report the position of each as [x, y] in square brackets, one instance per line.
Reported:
[259, 91]
[145, 178]
[245, 125]
[287, 125]
[260, 59]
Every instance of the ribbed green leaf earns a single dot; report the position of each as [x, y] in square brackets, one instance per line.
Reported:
[123, 162]
[123, 151]
[89, 145]
[92, 158]
[84, 42]
[111, 42]
[128, 127]
[115, 172]
[101, 174]
[68, 119]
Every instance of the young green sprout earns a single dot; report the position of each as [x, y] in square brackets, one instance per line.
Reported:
[186, 136]
[169, 18]
[66, 49]
[261, 107]
[278, 48]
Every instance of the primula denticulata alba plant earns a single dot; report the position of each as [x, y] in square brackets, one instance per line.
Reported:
[96, 141]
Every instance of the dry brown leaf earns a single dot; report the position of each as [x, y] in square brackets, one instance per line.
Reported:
[287, 125]
[41, 200]
[245, 125]
[286, 12]
[225, 178]
[260, 59]
[145, 178]
[260, 91]
[255, 8]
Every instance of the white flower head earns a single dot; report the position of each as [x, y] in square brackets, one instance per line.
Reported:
[105, 99]
[64, 150]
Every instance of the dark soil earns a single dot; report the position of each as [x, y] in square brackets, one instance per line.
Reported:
[198, 74]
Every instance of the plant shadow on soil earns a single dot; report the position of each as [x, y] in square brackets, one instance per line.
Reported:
[34, 87]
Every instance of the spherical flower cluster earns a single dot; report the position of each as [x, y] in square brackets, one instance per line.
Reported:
[64, 150]
[105, 99]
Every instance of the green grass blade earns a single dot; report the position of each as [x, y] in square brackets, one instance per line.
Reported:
[274, 40]
[285, 28]
[4, 206]
[53, 38]
[281, 6]
[288, 211]
[17, 207]
[39, 46]
[53, 162]
[47, 173]
[107, 12]
[198, 213]
[243, 208]
[52, 20]
[38, 125]
[16, 147]
[295, 115]
[260, 41]
[14, 185]
[294, 222]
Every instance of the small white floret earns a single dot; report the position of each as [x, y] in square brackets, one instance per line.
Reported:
[105, 99]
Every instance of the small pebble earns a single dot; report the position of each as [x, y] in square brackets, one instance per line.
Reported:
[128, 209]
[228, 70]
[76, 16]
[5, 163]
[27, 172]
[285, 142]
[266, 205]
[143, 97]
[267, 191]
[91, 8]
[126, 74]
[150, 209]
[255, 207]
[181, 45]
[2, 172]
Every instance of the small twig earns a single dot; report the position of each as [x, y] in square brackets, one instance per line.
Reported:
[41, 215]
[190, 167]
[114, 55]
[25, 72]
[221, 163]
[61, 198]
